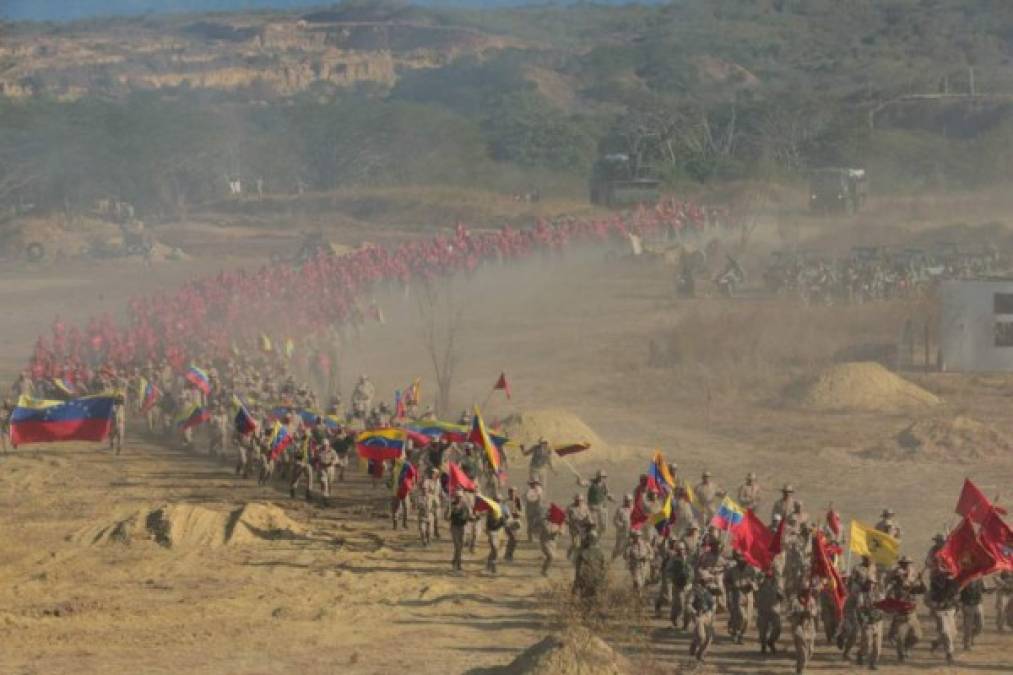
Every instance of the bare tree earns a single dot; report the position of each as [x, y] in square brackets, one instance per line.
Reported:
[441, 313]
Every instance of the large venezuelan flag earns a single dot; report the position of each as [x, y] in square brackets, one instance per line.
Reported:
[82, 419]
[380, 444]
[436, 429]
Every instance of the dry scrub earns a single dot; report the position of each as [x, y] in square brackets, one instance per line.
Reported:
[755, 348]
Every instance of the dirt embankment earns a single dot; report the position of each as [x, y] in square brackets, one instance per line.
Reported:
[860, 387]
[190, 527]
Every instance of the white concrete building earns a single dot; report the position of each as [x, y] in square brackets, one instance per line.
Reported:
[976, 325]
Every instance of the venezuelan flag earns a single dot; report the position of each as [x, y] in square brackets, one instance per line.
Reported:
[661, 518]
[480, 436]
[83, 419]
[245, 423]
[658, 473]
[199, 379]
[483, 503]
[149, 396]
[729, 514]
[195, 416]
[435, 429]
[380, 444]
[278, 441]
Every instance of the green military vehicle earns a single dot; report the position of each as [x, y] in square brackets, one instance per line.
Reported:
[617, 181]
[835, 190]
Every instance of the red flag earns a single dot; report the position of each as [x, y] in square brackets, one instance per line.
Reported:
[964, 556]
[502, 383]
[824, 569]
[973, 503]
[458, 480]
[557, 516]
[998, 539]
[752, 539]
[572, 449]
[637, 516]
[895, 606]
[834, 521]
[777, 539]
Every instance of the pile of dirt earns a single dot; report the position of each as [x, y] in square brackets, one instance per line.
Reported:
[861, 386]
[957, 439]
[558, 427]
[189, 526]
[575, 652]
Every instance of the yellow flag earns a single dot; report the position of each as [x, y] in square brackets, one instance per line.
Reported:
[879, 546]
[265, 343]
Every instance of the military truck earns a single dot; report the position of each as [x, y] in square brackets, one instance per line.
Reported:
[618, 181]
[836, 190]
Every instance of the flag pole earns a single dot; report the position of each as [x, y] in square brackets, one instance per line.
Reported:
[485, 403]
[570, 466]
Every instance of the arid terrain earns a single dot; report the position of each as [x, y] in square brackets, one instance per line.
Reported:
[242, 579]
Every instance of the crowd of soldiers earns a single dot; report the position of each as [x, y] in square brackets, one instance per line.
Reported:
[869, 274]
[689, 562]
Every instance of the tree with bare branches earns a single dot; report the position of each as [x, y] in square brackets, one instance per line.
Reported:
[440, 313]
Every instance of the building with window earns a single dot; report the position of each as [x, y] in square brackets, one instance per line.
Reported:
[976, 325]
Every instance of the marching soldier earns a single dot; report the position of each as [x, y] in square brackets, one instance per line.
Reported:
[904, 584]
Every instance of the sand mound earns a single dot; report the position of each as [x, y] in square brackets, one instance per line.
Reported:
[188, 526]
[558, 427]
[575, 652]
[960, 439]
[859, 386]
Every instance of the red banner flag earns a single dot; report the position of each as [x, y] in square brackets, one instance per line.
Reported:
[823, 568]
[752, 539]
[458, 480]
[502, 383]
[834, 521]
[557, 516]
[973, 503]
[777, 539]
[998, 539]
[964, 556]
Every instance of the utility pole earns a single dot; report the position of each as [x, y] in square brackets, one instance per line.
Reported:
[970, 80]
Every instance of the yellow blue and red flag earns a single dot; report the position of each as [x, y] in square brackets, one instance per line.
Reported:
[199, 379]
[662, 518]
[729, 514]
[278, 441]
[149, 395]
[194, 416]
[40, 421]
[658, 476]
[244, 421]
[480, 436]
[381, 444]
[483, 503]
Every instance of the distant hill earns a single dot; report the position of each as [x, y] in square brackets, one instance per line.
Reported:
[72, 10]
[161, 109]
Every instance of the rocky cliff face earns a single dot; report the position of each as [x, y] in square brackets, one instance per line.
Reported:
[278, 55]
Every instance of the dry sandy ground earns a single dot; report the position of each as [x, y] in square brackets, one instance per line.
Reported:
[350, 595]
